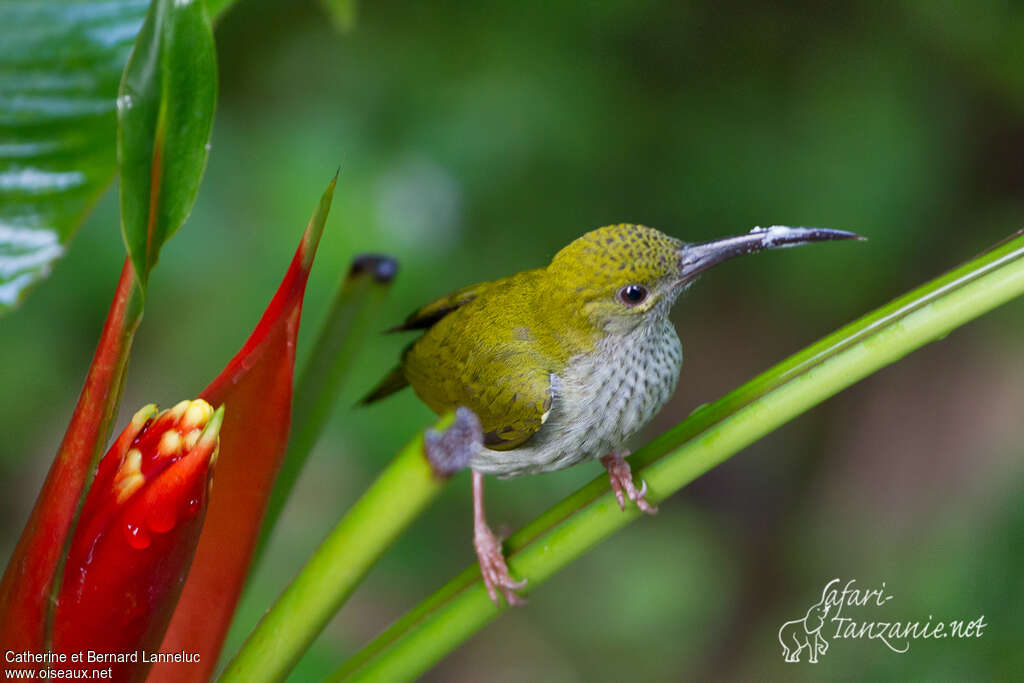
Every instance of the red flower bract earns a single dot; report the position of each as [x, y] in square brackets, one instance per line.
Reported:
[136, 536]
[256, 390]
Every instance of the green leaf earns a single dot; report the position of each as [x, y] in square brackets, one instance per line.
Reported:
[59, 76]
[165, 110]
[60, 63]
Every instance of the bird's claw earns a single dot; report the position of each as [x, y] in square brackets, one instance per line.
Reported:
[621, 478]
[494, 569]
[641, 502]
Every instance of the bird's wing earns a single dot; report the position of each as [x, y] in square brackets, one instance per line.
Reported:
[425, 317]
[420, 319]
[508, 388]
[498, 375]
[514, 416]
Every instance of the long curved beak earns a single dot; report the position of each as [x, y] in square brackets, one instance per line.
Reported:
[696, 258]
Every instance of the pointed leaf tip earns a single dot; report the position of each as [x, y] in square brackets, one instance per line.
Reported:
[255, 391]
[315, 228]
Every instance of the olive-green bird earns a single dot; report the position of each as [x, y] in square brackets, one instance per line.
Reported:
[564, 363]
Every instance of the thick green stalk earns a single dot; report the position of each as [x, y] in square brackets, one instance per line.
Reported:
[391, 503]
[355, 306]
[712, 434]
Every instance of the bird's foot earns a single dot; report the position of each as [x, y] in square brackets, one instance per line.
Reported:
[621, 478]
[488, 550]
[494, 569]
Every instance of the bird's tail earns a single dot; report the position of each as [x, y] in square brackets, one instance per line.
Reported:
[392, 382]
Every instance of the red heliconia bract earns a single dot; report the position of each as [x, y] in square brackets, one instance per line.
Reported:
[118, 578]
[256, 390]
[28, 580]
[135, 539]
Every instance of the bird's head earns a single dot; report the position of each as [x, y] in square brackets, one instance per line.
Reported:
[623, 276]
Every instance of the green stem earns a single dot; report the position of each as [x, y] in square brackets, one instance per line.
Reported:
[355, 306]
[712, 434]
[391, 503]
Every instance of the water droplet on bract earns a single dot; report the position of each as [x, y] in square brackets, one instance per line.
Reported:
[193, 506]
[758, 228]
[208, 146]
[137, 536]
[125, 102]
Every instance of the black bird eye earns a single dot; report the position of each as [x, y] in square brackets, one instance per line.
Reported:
[631, 295]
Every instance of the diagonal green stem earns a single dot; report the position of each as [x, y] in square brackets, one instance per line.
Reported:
[391, 503]
[709, 436]
[349, 319]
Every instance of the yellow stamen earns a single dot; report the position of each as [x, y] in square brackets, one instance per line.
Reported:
[191, 439]
[129, 475]
[178, 410]
[197, 415]
[170, 444]
[143, 414]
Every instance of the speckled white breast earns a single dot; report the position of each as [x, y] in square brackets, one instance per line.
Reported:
[598, 403]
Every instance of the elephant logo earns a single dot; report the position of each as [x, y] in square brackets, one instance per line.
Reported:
[800, 634]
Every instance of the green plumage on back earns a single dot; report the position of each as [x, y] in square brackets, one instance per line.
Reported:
[502, 368]
[420, 319]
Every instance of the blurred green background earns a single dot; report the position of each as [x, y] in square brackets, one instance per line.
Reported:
[475, 140]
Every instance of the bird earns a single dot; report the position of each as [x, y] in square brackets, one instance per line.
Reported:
[564, 363]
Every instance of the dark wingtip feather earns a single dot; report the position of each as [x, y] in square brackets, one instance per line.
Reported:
[393, 382]
[421, 321]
